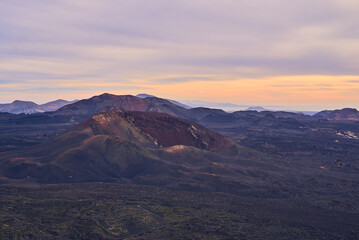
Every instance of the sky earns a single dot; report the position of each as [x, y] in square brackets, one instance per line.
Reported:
[299, 54]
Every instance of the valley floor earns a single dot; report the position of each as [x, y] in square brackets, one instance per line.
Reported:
[117, 211]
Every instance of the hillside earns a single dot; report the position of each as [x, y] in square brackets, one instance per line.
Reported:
[116, 144]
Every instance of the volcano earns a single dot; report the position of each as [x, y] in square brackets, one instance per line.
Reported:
[118, 144]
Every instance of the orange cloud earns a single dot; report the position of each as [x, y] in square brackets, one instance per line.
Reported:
[313, 90]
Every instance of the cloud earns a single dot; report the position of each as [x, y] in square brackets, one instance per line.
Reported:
[176, 79]
[119, 41]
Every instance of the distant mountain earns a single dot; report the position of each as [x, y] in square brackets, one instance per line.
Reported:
[350, 114]
[28, 107]
[20, 107]
[143, 95]
[311, 113]
[262, 109]
[55, 105]
[258, 109]
[228, 107]
[79, 111]
[86, 108]
[270, 115]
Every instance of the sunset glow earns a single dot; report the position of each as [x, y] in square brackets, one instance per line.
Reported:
[298, 54]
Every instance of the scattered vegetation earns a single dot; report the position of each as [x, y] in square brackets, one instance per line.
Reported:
[117, 211]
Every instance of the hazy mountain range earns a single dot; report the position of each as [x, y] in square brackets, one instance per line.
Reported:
[79, 110]
[28, 107]
[143, 95]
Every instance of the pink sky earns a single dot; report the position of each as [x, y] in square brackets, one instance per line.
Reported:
[299, 54]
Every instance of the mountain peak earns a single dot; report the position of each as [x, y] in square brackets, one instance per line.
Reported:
[23, 102]
[105, 96]
[19, 106]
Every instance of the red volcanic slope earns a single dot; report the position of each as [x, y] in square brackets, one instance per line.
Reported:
[106, 102]
[159, 128]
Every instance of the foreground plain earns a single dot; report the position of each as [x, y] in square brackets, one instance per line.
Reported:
[118, 211]
[282, 175]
